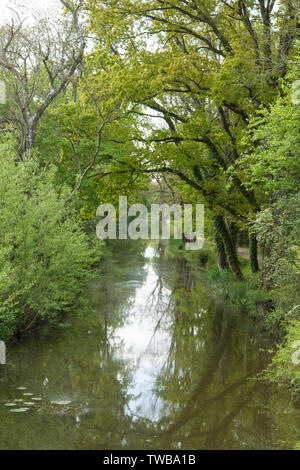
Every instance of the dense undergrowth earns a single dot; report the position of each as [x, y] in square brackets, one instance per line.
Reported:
[44, 254]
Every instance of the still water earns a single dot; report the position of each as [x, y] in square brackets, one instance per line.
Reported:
[157, 362]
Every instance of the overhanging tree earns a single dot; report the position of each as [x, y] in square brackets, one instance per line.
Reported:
[202, 68]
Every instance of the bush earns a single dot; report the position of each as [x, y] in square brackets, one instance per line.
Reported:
[284, 368]
[278, 228]
[240, 294]
[44, 255]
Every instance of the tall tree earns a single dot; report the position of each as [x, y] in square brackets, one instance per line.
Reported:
[37, 62]
[202, 69]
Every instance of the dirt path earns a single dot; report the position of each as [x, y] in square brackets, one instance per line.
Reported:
[243, 252]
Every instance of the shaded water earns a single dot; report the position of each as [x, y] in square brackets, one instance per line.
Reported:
[159, 363]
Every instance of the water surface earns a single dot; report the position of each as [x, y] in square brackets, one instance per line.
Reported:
[159, 362]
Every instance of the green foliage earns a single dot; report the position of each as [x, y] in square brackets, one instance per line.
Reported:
[240, 294]
[90, 134]
[274, 166]
[278, 227]
[176, 251]
[193, 91]
[285, 366]
[44, 254]
[273, 138]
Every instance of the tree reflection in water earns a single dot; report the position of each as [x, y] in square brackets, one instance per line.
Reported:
[155, 364]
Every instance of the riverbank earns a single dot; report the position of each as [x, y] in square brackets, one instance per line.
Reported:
[160, 361]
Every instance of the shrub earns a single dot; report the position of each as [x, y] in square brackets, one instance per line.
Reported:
[284, 368]
[44, 255]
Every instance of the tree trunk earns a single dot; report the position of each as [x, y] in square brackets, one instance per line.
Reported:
[253, 253]
[30, 132]
[30, 139]
[221, 259]
[229, 247]
[234, 233]
[265, 283]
